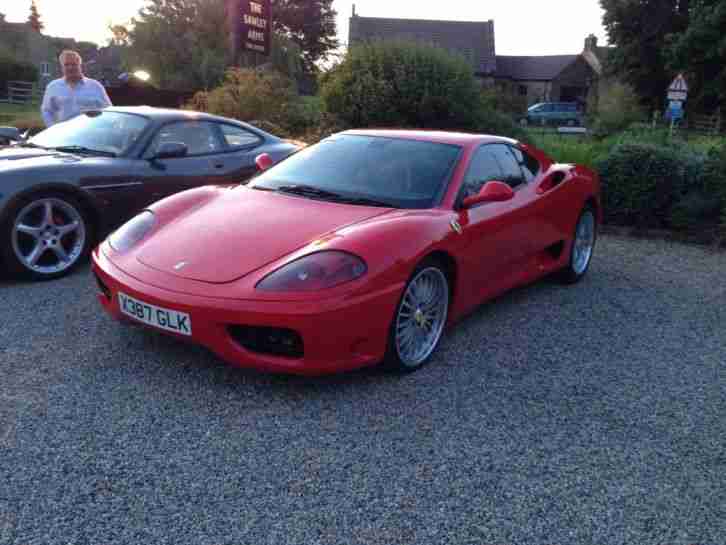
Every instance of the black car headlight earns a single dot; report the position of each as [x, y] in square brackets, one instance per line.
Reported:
[131, 232]
[317, 271]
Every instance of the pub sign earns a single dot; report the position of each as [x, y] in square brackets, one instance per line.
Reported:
[255, 26]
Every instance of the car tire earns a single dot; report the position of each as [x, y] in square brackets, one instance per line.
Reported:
[419, 319]
[581, 248]
[45, 236]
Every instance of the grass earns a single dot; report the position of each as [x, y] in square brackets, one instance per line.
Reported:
[26, 116]
[587, 150]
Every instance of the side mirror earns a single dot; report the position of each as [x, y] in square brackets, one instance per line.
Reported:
[491, 192]
[263, 161]
[10, 133]
[170, 150]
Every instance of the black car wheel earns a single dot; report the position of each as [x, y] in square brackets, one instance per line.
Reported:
[45, 236]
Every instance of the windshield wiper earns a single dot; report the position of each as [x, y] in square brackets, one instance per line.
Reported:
[309, 191]
[28, 145]
[316, 192]
[83, 149]
[365, 201]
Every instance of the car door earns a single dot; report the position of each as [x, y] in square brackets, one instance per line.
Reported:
[241, 147]
[164, 177]
[489, 230]
[549, 199]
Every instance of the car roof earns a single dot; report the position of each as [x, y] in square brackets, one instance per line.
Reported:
[438, 137]
[164, 115]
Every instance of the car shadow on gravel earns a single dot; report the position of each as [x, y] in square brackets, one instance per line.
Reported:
[8, 280]
[180, 363]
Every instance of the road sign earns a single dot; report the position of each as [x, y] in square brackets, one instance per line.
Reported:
[678, 89]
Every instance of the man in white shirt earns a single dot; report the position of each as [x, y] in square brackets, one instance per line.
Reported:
[72, 94]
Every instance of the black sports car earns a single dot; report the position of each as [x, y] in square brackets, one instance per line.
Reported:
[72, 183]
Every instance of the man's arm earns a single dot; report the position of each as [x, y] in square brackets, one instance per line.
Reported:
[103, 95]
[48, 107]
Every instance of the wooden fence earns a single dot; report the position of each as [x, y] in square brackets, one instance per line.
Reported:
[21, 92]
[710, 124]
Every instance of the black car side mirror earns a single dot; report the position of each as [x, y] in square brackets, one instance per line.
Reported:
[170, 150]
[10, 133]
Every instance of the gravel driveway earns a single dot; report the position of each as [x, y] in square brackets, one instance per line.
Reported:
[554, 415]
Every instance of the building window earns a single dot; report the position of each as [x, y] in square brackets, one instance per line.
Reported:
[45, 69]
[523, 90]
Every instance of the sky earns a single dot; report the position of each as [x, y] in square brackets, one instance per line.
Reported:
[522, 27]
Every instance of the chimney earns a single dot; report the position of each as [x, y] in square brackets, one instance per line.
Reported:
[353, 10]
[591, 43]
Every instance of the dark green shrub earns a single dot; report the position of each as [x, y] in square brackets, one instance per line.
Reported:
[12, 70]
[642, 183]
[249, 94]
[400, 84]
[714, 181]
[696, 211]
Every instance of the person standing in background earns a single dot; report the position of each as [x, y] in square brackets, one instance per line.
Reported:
[71, 95]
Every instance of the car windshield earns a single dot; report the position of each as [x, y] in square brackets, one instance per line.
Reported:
[367, 169]
[108, 132]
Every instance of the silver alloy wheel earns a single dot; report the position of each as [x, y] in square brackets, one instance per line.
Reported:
[48, 236]
[584, 242]
[421, 316]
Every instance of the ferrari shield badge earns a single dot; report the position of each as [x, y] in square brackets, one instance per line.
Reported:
[456, 227]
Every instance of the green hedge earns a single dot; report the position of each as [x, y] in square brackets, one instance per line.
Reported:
[664, 187]
[411, 85]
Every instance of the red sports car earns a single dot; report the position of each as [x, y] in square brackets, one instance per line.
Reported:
[354, 251]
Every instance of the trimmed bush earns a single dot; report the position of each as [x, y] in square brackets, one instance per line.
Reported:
[642, 183]
[409, 85]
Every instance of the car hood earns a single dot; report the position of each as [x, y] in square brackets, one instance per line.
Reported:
[243, 230]
[14, 158]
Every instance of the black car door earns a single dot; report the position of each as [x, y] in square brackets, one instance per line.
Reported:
[237, 163]
[200, 166]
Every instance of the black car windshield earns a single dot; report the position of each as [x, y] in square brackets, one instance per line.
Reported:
[366, 170]
[105, 131]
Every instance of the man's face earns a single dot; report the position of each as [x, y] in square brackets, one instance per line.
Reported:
[71, 68]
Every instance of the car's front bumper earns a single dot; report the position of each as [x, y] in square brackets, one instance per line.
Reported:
[338, 334]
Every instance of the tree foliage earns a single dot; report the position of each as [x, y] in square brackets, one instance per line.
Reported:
[34, 18]
[640, 31]
[308, 23]
[401, 84]
[185, 43]
[700, 52]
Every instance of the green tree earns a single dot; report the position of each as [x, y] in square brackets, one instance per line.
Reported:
[700, 52]
[34, 18]
[640, 31]
[185, 43]
[308, 23]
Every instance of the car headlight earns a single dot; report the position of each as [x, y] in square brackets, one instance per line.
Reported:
[316, 271]
[132, 231]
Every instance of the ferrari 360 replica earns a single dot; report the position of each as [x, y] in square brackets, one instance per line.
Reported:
[356, 251]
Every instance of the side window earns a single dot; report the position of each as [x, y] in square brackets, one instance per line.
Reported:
[512, 174]
[237, 137]
[482, 169]
[528, 164]
[199, 137]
